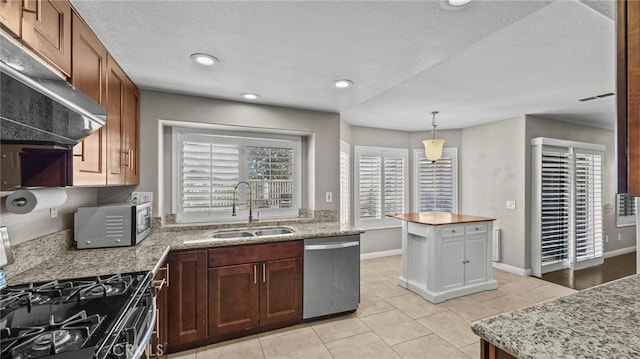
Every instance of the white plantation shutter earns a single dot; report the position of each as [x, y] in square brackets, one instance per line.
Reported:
[380, 183]
[370, 176]
[588, 206]
[436, 184]
[210, 164]
[556, 206]
[567, 221]
[344, 183]
[626, 210]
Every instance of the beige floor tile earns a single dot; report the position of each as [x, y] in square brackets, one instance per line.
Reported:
[415, 306]
[470, 309]
[394, 327]
[302, 343]
[545, 292]
[365, 346]
[384, 288]
[472, 351]
[428, 347]
[187, 354]
[451, 327]
[372, 304]
[244, 348]
[287, 330]
[507, 303]
[338, 328]
[487, 294]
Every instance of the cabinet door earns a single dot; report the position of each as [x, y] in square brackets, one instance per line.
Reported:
[452, 262]
[475, 269]
[46, 28]
[88, 74]
[187, 297]
[233, 299]
[11, 16]
[131, 138]
[633, 96]
[116, 87]
[281, 291]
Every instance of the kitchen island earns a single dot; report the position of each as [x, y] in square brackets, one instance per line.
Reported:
[599, 322]
[446, 255]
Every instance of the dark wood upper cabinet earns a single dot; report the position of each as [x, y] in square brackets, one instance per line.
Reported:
[89, 75]
[46, 28]
[628, 96]
[187, 291]
[11, 16]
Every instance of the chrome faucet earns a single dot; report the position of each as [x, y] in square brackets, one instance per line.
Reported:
[233, 208]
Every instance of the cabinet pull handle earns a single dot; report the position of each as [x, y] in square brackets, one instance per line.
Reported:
[166, 267]
[465, 262]
[126, 158]
[264, 273]
[255, 274]
[158, 284]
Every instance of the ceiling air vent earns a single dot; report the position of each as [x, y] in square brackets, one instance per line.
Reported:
[596, 97]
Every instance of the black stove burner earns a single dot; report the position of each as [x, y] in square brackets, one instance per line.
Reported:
[63, 319]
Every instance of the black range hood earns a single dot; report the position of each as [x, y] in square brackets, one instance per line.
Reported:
[42, 117]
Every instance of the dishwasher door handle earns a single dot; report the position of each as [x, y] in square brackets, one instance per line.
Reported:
[320, 247]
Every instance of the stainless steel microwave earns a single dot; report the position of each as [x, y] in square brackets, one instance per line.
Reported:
[112, 225]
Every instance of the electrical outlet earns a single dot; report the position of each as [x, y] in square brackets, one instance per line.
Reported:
[53, 212]
[511, 205]
[329, 197]
[619, 236]
[606, 238]
[141, 197]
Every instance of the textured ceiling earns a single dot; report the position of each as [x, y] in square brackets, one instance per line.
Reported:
[482, 62]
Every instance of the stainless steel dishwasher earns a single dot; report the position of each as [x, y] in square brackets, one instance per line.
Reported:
[331, 276]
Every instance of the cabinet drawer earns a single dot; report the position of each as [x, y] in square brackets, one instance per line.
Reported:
[452, 231]
[254, 253]
[476, 228]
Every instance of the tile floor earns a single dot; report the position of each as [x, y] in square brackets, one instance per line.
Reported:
[613, 268]
[391, 322]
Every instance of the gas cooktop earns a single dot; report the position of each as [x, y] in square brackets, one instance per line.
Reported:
[67, 319]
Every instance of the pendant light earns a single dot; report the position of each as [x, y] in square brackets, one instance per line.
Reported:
[433, 147]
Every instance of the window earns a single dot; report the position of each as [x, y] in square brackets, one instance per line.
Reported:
[380, 185]
[344, 183]
[567, 213]
[626, 210]
[436, 185]
[210, 164]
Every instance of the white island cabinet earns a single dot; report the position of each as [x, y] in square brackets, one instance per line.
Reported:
[446, 255]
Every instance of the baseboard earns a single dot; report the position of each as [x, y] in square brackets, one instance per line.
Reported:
[619, 251]
[371, 255]
[513, 269]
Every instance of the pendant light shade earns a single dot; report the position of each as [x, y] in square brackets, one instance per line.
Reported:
[433, 149]
[433, 146]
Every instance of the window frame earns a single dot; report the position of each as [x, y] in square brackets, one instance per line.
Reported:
[383, 221]
[419, 154]
[243, 139]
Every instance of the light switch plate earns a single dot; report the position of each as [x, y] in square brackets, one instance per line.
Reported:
[511, 205]
[329, 197]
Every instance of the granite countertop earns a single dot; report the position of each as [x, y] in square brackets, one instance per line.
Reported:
[439, 218]
[599, 322]
[151, 252]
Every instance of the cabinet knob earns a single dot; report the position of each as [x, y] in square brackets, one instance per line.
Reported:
[453, 231]
[477, 228]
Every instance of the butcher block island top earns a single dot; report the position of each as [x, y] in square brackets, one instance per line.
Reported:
[599, 322]
[439, 218]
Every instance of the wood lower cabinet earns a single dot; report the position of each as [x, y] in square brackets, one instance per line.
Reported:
[46, 29]
[490, 351]
[11, 16]
[88, 74]
[187, 295]
[228, 292]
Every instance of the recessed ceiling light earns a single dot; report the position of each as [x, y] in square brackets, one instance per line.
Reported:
[204, 59]
[250, 96]
[342, 83]
[458, 2]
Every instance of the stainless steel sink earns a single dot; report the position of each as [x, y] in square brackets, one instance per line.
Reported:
[273, 231]
[232, 234]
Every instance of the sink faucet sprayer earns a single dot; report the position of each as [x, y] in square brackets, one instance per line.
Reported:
[233, 208]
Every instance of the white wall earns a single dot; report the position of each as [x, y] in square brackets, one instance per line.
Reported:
[24, 227]
[492, 169]
[323, 129]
